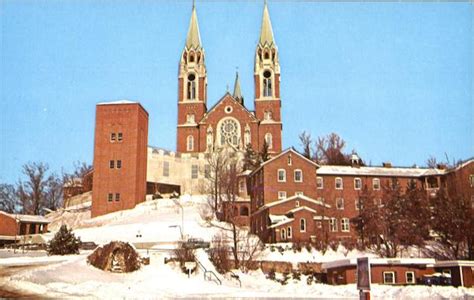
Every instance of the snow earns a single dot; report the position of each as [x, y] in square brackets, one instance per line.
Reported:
[71, 276]
[378, 171]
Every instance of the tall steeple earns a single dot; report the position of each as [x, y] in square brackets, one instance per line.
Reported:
[266, 31]
[193, 39]
[237, 92]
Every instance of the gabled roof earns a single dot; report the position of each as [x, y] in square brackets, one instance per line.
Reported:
[193, 39]
[266, 31]
[303, 197]
[301, 208]
[461, 165]
[292, 150]
[227, 94]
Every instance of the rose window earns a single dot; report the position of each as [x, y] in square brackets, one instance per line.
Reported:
[229, 132]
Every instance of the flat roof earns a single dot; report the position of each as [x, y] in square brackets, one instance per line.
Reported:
[380, 261]
[455, 263]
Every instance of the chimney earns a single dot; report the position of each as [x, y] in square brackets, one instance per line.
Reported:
[387, 164]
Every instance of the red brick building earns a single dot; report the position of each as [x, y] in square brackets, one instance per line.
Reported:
[400, 271]
[120, 157]
[294, 199]
[228, 122]
[12, 226]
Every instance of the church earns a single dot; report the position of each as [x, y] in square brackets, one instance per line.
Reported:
[229, 122]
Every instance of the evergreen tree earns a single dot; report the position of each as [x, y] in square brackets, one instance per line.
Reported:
[64, 242]
[263, 155]
[250, 158]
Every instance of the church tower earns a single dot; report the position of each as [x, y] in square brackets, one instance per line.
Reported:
[192, 89]
[267, 87]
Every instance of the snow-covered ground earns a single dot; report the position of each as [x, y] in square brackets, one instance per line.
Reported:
[156, 222]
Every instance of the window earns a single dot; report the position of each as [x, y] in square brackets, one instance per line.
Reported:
[357, 204]
[357, 183]
[410, 277]
[119, 164]
[339, 185]
[432, 182]
[297, 203]
[207, 171]
[119, 136]
[229, 132]
[394, 183]
[117, 197]
[112, 164]
[269, 140]
[267, 115]
[281, 195]
[299, 194]
[471, 180]
[283, 234]
[289, 160]
[319, 183]
[190, 118]
[247, 136]
[112, 137]
[166, 169]
[376, 184]
[194, 171]
[267, 83]
[298, 176]
[241, 186]
[378, 202]
[288, 232]
[345, 225]
[244, 211]
[340, 203]
[190, 143]
[302, 225]
[389, 277]
[319, 224]
[281, 175]
[110, 197]
[333, 224]
[191, 86]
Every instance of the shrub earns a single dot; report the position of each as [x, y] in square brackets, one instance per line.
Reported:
[219, 255]
[308, 247]
[271, 275]
[281, 250]
[296, 275]
[272, 248]
[309, 280]
[286, 277]
[64, 242]
[184, 254]
[333, 244]
[297, 247]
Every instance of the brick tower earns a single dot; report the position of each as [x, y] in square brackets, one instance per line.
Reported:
[120, 156]
[267, 86]
[192, 89]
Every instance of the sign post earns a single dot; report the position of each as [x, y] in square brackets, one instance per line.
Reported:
[363, 278]
[189, 265]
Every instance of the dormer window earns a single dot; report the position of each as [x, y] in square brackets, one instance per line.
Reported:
[191, 87]
[267, 83]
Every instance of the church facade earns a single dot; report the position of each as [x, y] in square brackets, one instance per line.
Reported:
[229, 123]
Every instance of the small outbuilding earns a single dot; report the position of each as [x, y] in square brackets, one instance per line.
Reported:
[15, 226]
[399, 271]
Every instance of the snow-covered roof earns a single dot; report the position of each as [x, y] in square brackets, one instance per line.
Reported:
[462, 165]
[378, 171]
[282, 222]
[303, 197]
[292, 150]
[301, 208]
[117, 102]
[380, 261]
[26, 218]
[455, 263]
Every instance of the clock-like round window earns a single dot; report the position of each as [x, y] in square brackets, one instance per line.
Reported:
[229, 132]
[228, 109]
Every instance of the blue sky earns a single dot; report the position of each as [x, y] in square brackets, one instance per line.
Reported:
[395, 80]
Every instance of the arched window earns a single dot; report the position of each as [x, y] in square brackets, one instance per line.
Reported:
[266, 55]
[209, 138]
[247, 139]
[191, 86]
[229, 132]
[244, 211]
[191, 57]
[288, 232]
[283, 234]
[302, 225]
[190, 143]
[269, 140]
[267, 84]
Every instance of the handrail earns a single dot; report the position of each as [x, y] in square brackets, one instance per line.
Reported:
[219, 282]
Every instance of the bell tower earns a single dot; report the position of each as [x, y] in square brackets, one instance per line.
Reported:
[267, 87]
[192, 89]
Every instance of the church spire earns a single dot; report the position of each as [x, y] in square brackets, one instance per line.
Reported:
[237, 92]
[193, 39]
[266, 31]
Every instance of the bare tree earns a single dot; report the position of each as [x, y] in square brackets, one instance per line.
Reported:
[329, 150]
[9, 201]
[32, 191]
[306, 142]
[432, 162]
[217, 161]
[54, 192]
